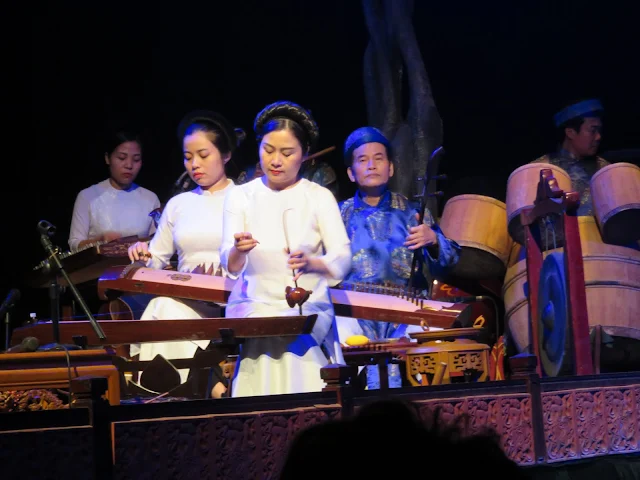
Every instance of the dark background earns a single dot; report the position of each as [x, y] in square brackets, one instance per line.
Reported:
[499, 71]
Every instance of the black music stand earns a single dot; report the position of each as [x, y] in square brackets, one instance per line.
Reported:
[46, 231]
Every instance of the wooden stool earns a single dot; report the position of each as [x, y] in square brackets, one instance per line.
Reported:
[443, 361]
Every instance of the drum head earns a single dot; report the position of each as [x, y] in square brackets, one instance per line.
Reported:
[622, 227]
[553, 315]
[477, 264]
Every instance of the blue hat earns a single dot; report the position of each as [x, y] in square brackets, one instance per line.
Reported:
[362, 136]
[577, 110]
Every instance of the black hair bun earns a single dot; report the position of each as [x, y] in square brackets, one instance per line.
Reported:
[234, 136]
[291, 111]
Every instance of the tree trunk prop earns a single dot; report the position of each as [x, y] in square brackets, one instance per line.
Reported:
[392, 61]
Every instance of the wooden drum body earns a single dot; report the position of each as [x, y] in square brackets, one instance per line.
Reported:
[478, 224]
[612, 279]
[522, 188]
[615, 193]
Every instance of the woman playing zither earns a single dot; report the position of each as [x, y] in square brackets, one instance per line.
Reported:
[191, 224]
[273, 225]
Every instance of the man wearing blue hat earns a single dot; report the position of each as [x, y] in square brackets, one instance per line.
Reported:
[384, 232]
[580, 132]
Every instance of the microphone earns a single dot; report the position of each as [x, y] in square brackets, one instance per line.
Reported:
[29, 344]
[11, 299]
[46, 228]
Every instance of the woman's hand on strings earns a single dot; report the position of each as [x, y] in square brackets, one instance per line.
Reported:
[139, 251]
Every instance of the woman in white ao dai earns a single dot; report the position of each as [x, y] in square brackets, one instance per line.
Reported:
[273, 226]
[191, 225]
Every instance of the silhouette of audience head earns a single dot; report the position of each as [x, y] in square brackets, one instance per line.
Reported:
[386, 439]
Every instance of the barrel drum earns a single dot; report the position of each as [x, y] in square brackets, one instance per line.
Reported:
[479, 225]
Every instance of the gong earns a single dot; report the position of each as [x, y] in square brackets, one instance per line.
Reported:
[553, 314]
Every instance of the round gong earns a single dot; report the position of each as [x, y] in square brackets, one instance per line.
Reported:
[553, 315]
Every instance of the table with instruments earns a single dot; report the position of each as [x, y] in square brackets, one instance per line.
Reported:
[225, 333]
[122, 332]
[374, 302]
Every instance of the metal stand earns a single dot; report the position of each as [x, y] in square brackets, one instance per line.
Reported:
[7, 322]
[47, 230]
[54, 306]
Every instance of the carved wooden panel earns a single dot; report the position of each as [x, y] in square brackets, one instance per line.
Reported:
[238, 446]
[61, 453]
[423, 364]
[508, 415]
[460, 362]
[591, 422]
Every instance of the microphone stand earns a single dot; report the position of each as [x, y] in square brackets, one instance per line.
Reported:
[7, 322]
[47, 230]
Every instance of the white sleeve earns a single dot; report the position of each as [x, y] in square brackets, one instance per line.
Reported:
[337, 245]
[161, 245]
[79, 221]
[233, 221]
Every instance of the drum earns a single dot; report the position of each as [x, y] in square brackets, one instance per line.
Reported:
[479, 225]
[615, 193]
[612, 279]
[522, 188]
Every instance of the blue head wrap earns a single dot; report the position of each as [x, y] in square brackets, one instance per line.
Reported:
[577, 110]
[362, 136]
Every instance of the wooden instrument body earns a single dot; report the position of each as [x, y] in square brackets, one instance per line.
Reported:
[86, 264]
[483, 313]
[479, 225]
[385, 307]
[612, 280]
[24, 371]
[445, 362]
[136, 279]
[615, 193]
[126, 332]
[522, 189]
[377, 303]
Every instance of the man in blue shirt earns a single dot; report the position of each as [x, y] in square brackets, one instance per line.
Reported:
[580, 131]
[384, 232]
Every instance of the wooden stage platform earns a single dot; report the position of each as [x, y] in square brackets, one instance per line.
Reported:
[540, 421]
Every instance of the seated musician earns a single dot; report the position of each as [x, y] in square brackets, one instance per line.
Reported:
[191, 224]
[579, 129]
[384, 232]
[280, 229]
[115, 207]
